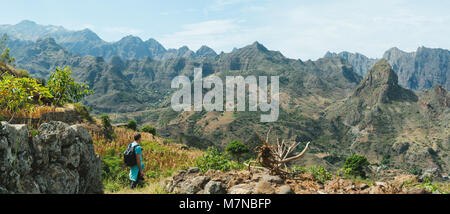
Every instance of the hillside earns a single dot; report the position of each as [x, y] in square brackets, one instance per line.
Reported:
[387, 122]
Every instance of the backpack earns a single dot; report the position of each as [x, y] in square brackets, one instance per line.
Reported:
[129, 156]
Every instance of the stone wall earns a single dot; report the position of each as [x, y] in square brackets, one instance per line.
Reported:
[60, 159]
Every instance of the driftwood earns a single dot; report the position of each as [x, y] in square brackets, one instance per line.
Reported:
[273, 157]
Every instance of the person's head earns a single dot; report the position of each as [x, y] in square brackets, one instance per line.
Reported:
[137, 138]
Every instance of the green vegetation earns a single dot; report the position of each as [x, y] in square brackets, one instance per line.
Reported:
[131, 124]
[386, 159]
[354, 166]
[18, 94]
[64, 89]
[416, 171]
[236, 149]
[4, 51]
[107, 128]
[213, 159]
[34, 132]
[149, 129]
[83, 111]
[114, 173]
[106, 121]
[319, 173]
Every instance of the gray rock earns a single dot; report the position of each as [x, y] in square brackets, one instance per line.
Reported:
[272, 179]
[214, 187]
[193, 170]
[285, 189]
[241, 189]
[264, 187]
[194, 185]
[60, 159]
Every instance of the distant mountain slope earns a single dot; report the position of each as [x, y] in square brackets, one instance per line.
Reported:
[382, 120]
[420, 70]
[361, 64]
[85, 42]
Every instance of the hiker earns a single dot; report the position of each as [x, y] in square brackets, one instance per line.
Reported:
[136, 171]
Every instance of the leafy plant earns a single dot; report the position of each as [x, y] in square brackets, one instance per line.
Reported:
[18, 94]
[213, 159]
[131, 124]
[355, 165]
[64, 89]
[320, 173]
[83, 111]
[236, 149]
[386, 159]
[416, 171]
[106, 121]
[149, 129]
[4, 51]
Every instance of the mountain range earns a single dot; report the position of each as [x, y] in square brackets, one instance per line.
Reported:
[395, 110]
[85, 42]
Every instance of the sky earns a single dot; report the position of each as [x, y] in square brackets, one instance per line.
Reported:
[296, 28]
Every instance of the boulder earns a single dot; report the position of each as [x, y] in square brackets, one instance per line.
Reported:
[285, 189]
[272, 179]
[214, 187]
[264, 187]
[241, 189]
[59, 159]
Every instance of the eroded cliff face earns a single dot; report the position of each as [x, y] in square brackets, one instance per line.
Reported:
[60, 159]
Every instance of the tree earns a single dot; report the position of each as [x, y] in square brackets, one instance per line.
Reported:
[107, 128]
[131, 124]
[236, 149]
[106, 122]
[64, 89]
[4, 51]
[149, 129]
[20, 94]
[354, 166]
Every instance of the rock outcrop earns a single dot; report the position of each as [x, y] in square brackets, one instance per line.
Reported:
[192, 181]
[60, 159]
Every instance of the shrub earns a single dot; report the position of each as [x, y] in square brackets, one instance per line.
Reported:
[18, 94]
[416, 171]
[64, 89]
[83, 111]
[236, 149]
[108, 131]
[5, 51]
[113, 172]
[106, 121]
[320, 173]
[149, 129]
[215, 160]
[34, 132]
[131, 124]
[354, 166]
[386, 159]
[298, 170]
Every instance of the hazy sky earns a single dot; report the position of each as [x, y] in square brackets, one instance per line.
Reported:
[299, 29]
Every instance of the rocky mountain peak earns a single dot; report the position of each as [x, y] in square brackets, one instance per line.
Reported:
[131, 39]
[205, 51]
[381, 85]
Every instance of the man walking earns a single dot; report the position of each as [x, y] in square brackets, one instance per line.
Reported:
[136, 171]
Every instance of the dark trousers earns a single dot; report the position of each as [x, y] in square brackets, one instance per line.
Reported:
[137, 182]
